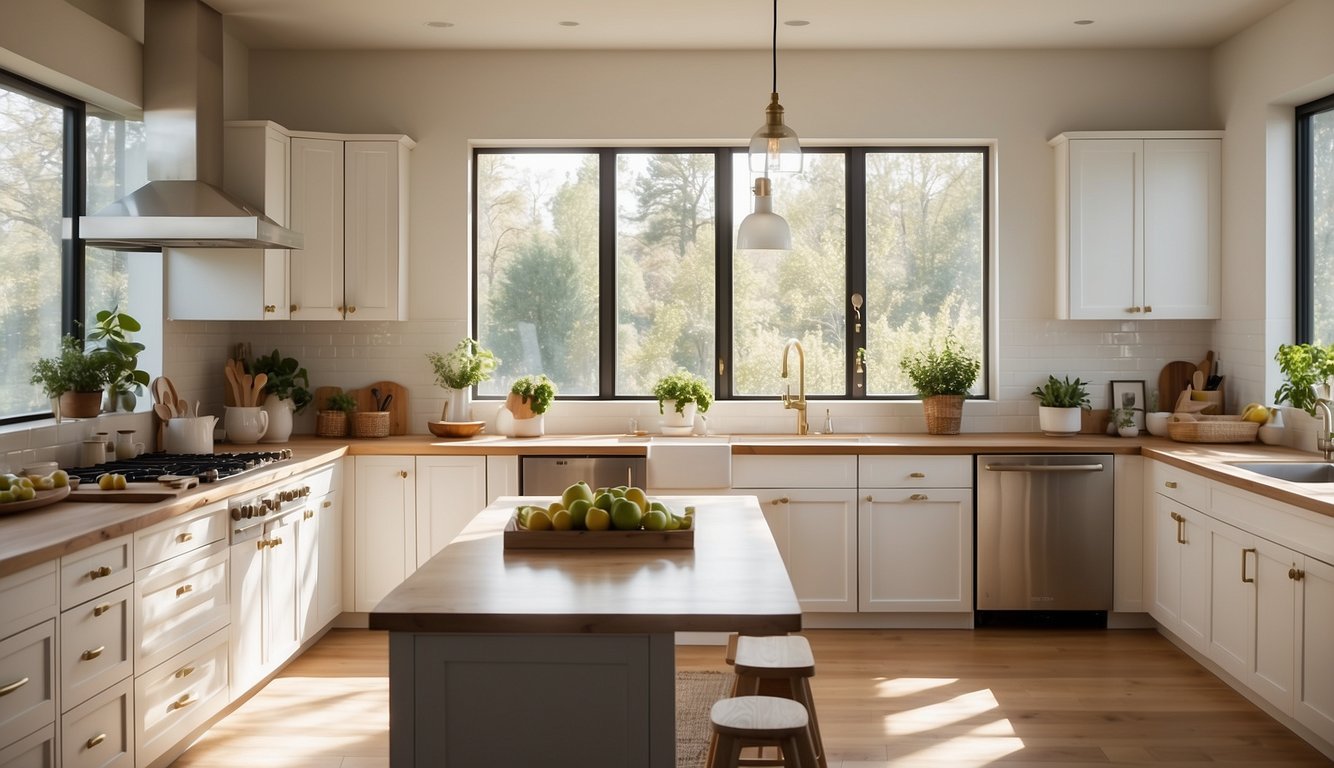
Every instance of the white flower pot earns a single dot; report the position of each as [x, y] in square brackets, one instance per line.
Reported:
[528, 427]
[1130, 431]
[280, 419]
[670, 418]
[458, 405]
[1059, 422]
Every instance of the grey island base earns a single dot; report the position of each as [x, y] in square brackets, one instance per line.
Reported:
[567, 657]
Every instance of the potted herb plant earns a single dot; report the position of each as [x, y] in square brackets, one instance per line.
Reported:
[1125, 422]
[332, 420]
[529, 398]
[77, 377]
[684, 394]
[942, 378]
[127, 381]
[1306, 367]
[466, 366]
[1059, 404]
[286, 393]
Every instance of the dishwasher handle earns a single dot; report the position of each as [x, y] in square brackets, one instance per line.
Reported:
[1044, 467]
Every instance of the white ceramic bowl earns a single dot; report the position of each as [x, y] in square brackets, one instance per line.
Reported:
[1157, 422]
[38, 468]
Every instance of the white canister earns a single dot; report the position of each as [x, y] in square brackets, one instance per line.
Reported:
[126, 447]
[245, 424]
[189, 434]
[93, 452]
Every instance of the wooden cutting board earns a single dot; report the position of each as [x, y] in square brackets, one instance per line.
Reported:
[398, 407]
[1172, 381]
[134, 493]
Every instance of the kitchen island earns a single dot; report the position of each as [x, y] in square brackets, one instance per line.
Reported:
[567, 657]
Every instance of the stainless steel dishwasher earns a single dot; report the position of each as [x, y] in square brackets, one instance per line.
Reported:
[1044, 539]
[550, 475]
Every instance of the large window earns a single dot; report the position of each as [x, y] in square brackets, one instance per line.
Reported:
[43, 188]
[1315, 221]
[605, 268]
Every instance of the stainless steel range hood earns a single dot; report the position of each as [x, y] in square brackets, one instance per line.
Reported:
[183, 206]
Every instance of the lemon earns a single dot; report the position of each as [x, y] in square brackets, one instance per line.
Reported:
[106, 481]
[24, 493]
[6, 496]
[539, 520]
[60, 478]
[598, 519]
[1256, 413]
[687, 522]
[604, 500]
[561, 520]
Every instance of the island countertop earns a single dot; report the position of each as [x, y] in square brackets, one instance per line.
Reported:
[732, 581]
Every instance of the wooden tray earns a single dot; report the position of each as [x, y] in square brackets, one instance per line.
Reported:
[42, 499]
[520, 538]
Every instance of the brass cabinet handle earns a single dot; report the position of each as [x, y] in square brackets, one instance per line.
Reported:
[327, 504]
[341, 309]
[184, 589]
[98, 610]
[917, 475]
[403, 473]
[1134, 309]
[1170, 484]
[1181, 524]
[276, 542]
[308, 514]
[184, 701]
[94, 741]
[98, 573]
[291, 308]
[183, 672]
[1296, 574]
[1148, 308]
[1243, 565]
[262, 543]
[870, 498]
[14, 686]
[352, 309]
[94, 653]
[918, 497]
[184, 537]
[270, 308]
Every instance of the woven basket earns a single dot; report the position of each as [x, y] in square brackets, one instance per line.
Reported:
[1211, 429]
[331, 424]
[370, 424]
[944, 413]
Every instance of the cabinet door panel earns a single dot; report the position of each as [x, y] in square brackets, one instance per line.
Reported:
[816, 533]
[1195, 581]
[1232, 614]
[1315, 694]
[1274, 667]
[28, 671]
[386, 538]
[1104, 227]
[1181, 225]
[316, 211]
[372, 230]
[96, 646]
[282, 633]
[916, 550]
[1166, 603]
[451, 490]
[247, 614]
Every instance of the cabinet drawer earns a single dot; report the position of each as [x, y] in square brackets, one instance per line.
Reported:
[179, 603]
[28, 597]
[28, 682]
[95, 646]
[179, 695]
[1179, 485]
[179, 535]
[36, 751]
[97, 734]
[915, 471]
[95, 571]
[321, 481]
[794, 471]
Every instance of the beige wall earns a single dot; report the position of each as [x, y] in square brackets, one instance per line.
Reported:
[58, 45]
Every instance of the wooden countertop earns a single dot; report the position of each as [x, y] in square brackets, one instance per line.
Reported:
[733, 580]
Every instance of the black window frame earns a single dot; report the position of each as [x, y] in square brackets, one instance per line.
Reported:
[74, 204]
[1304, 219]
[855, 260]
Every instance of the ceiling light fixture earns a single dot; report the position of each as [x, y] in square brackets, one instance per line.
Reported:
[774, 147]
[763, 230]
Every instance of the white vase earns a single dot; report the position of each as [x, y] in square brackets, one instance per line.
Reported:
[670, 418]
[458, 405]
[1130, 431]
[280, 419]
[1060, 422]
[1271, 432]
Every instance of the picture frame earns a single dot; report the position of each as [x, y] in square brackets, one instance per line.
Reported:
[1129, 394]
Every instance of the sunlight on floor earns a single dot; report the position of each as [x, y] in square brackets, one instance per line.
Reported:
[906, 686]
[990, 740]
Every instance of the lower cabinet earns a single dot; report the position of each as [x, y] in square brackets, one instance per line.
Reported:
[176, 697]
[37, 750]
[451, 490]
[319, 556]
[28, 679]
[264, 622]
[1181, 571]
[98, 733]
[1314, 699]
[916, 550]
[816, 533]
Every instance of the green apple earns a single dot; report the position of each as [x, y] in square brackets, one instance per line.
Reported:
[626, 515]
[604, 500]
[579, 512]
[579, 490]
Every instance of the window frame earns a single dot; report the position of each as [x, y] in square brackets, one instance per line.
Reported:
[725, 218]
[73, 204]
[1303, 218]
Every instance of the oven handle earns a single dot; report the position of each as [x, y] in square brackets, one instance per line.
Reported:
[1044, 467]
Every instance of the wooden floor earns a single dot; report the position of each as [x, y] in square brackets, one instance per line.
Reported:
[902, 698]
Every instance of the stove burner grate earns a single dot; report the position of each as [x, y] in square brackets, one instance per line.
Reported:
[208, 467]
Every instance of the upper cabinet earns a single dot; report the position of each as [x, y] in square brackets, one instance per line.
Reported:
[347, 194]
[349, 198]
[1138, 225]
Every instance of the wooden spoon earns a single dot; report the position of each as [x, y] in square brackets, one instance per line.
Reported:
[162, 411]
[159, 390]
[234, 384]
[258, 390]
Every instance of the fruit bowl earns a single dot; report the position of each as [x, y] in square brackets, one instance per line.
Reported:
[456, 429]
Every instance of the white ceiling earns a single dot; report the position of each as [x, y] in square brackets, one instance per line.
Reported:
[737, 24]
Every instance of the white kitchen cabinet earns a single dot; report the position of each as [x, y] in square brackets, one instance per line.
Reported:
[1314, 705]
[349, 199]
[1181, 577]
[915, 550]
[502, 477]
[1138, 225]
[28, 677]
[451, 490]
[264, 615]
[99, 733]
[179, 602]
[816, 533]
[318, 566]
[240, 283]
[385, 524]
[96, 645]
[36, 751]
[176, 697]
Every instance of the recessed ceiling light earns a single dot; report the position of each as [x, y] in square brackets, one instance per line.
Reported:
[569, 23]
[440, 24]
[797, 23]
[1084, 22]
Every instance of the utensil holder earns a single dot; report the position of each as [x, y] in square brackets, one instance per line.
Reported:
[370, 424]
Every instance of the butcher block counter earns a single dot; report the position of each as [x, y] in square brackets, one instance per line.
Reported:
[486, 642]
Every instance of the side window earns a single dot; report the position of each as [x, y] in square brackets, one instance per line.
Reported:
[1315, 221]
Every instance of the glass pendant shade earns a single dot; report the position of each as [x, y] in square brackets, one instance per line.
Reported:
[774, 148]
[763, 230]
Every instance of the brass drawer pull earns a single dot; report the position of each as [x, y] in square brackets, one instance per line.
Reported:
[1296, 574]
[917, 475]
[98, 610]
[94, 653]
[262, 543]
[98, 573]
[308, 514]
[327, 504]
[14, 686]
[403, 473]
[870, 499]
[183, 672]
[276, 542]
[918, 497]
[1243, 565]
[184, 701]
[94, 741]
[184, 537]
[1170, 484]
[184, 589]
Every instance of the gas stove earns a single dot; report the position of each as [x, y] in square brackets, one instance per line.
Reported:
[208, 467]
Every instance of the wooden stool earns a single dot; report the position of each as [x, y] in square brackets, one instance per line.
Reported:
[760, 721]
[782, 666]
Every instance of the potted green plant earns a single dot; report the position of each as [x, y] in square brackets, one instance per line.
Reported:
[111, 328]
[1059, 404]
[332, 420]
[1124, 419]
[529, 398]
[686, 394]
[1305, 366]
[942, 378]
[77, 377]
[285, 393]
[466, 366]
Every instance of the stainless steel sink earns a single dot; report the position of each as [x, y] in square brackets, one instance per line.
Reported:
[1292, 471]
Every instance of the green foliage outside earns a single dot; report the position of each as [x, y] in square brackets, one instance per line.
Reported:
[1322, 230]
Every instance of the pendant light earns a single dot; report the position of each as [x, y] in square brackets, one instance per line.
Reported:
[774, 147]
[763, 230]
